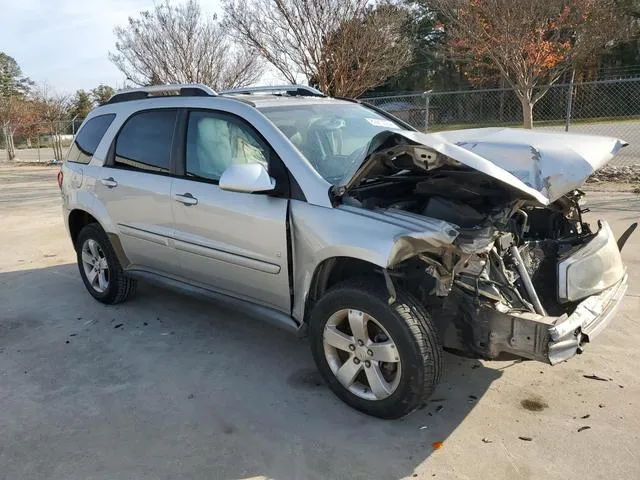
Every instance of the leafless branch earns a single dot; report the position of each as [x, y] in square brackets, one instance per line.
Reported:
[178, 44]
[343, 46]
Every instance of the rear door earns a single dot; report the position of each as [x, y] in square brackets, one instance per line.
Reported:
[234, 243]
[135, 187]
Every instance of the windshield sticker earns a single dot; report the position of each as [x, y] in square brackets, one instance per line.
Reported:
[381, 122]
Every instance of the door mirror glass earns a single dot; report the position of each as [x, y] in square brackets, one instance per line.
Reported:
[247, 178]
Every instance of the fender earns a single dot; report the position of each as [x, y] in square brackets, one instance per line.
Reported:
[384, 238]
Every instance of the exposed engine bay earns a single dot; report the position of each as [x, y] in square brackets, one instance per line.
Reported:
[496, 289]
[505, 244]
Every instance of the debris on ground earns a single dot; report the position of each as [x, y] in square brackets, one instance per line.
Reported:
[439, 408]
[582, 429]
[526, 439]
[601, 405]
[73, 334]
[596, 377]
[118, 325]
[424, 427]
[473, 397]
[486, 440]
[190, 396]
[437, 445]
[611, 173]
[585, 416]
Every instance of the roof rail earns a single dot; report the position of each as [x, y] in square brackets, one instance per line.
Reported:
[292, 90]
[183, 90]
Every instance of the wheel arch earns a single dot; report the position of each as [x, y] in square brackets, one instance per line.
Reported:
[79, 218]
[333, 270]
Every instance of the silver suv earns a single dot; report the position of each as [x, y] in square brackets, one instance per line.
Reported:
[336, 220]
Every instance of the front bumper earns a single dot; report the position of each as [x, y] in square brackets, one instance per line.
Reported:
[488, 333]
[588, 320]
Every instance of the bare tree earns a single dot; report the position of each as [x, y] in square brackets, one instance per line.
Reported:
[531, 42]
[343, 46]
[52, 109]
[178, 44]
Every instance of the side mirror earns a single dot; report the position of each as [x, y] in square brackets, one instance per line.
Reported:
[246, 178]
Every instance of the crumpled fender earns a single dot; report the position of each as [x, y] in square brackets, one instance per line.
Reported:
[382, 237]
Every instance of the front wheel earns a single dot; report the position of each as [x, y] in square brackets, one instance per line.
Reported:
[384, 360]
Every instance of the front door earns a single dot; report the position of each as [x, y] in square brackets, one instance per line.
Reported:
[234, 243]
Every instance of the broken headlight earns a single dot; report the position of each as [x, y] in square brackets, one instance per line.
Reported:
[593, 268]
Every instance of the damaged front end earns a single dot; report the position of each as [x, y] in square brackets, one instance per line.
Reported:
[525, 274]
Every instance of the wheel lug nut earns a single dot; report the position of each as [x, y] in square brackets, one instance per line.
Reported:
[356, 360]
[352, 347]
[370, 353]
[367, 364]
[360, 342]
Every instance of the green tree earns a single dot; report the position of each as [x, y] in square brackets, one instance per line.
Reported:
[102, 93]
[14, 86]
[81, 104]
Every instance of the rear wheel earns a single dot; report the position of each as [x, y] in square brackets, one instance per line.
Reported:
[99, 268]
[384, 360]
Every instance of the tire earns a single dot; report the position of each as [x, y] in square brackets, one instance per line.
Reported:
[118, 287]
[410, 329]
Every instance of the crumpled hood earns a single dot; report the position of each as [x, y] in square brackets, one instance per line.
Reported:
[543, 165]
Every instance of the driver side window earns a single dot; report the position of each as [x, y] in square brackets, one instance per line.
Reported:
[215, 142]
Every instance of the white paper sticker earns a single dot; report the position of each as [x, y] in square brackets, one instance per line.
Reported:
[381, 122]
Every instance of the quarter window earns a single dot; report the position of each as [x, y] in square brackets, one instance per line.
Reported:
[144, 143]
[88, 138]
[214, 142]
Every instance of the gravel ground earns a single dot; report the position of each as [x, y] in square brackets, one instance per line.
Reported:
[167, 386]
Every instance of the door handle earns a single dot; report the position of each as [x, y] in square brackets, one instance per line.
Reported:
[186, 199]
[109, 182]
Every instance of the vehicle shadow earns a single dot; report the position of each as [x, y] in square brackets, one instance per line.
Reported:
[168, 386]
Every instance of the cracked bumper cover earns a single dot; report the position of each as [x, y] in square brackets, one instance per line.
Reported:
[589, 319]
[488, 333]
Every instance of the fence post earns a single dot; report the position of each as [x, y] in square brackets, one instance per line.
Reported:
[427, 97]
[569, 101]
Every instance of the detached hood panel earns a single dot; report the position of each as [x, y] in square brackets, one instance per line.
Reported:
[542, 165]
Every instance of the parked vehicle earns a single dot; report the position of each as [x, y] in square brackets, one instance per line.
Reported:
[335, 220]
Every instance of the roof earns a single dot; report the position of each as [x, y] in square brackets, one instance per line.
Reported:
[271, 100]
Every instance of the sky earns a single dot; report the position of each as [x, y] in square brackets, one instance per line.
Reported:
[64, 43]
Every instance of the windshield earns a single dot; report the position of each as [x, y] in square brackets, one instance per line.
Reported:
[333, 137]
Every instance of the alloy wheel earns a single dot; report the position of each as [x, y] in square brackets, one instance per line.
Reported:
[361, 354]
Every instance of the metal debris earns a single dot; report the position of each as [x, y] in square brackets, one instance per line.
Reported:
[526, 439]
[582, 429]
[596, 377]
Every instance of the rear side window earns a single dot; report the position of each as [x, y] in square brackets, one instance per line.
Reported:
[144, 143]
[88, 138]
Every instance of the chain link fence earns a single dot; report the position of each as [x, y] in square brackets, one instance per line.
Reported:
[37, 141]
[605, 107]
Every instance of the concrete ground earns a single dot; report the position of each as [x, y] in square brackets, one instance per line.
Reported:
[166, 386]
